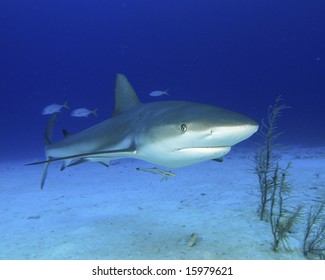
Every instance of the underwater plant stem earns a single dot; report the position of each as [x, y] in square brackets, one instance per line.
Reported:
[314, 244]
[275, 219]
[265, 163]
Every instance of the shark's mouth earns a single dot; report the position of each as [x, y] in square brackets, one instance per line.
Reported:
[208, 152]
[202, 148]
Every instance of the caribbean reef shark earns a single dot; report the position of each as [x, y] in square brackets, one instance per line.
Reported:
[171, 134]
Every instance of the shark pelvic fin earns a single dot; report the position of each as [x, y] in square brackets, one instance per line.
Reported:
[125, 96]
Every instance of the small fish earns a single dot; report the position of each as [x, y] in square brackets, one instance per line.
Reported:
[155, 170]
[156, 93]
[193, 239]
[54, 108]
[83, 112]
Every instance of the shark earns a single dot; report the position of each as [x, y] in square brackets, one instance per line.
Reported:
[170, 134]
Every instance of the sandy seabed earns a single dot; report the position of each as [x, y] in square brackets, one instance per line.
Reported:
[93, 212]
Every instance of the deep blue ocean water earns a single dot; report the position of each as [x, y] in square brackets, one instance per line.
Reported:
[231, 53]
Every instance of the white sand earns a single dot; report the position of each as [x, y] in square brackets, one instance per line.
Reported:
[93, 212]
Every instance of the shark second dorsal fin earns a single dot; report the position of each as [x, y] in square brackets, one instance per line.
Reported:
[125, 96]
[65, 133]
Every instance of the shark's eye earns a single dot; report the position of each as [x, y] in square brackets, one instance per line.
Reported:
[183, 127]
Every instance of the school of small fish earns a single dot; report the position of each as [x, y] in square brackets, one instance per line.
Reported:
[84, 112]
[80, 112]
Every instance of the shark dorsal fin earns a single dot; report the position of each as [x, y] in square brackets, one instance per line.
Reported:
[125, 96]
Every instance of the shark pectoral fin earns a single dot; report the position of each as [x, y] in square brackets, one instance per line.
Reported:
[220, 159]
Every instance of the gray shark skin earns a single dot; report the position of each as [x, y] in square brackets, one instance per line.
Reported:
[171, 134]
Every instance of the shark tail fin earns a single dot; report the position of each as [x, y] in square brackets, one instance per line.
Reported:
[49, 129]
[44, 174]
[48, 141]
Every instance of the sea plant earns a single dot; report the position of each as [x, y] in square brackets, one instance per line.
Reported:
[314, 239]
[265, 161]
[273, 186]
[282, 219]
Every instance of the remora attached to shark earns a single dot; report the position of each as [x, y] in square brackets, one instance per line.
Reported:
[167, 133]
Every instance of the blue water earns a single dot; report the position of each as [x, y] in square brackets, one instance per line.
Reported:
[235, 54]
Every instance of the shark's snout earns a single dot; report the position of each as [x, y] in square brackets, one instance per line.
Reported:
[245, 131]
[231, 135]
